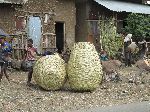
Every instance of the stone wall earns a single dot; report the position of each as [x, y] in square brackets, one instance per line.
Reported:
[58, 10]
[81, 27]
[40, 8]
[7, 13]
[66, 13]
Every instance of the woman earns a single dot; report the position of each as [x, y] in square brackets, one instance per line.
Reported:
[127, 52]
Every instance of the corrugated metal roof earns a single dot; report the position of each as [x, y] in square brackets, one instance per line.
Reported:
[119, 6]
[13, 1]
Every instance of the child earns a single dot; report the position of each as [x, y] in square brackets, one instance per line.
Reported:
[103, 56]
[30, 58]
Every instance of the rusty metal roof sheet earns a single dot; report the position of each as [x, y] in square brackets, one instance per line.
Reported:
[119, 6]
[13, 1]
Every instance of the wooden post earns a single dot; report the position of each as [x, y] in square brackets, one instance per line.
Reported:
[19, 44]
[49, 41]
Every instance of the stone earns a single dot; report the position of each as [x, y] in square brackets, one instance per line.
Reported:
[143, 64]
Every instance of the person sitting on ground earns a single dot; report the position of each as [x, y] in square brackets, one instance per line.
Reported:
[66, 55]
[103, 55]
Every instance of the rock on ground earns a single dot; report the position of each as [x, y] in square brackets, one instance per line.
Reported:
[143, 64]
[110, 65]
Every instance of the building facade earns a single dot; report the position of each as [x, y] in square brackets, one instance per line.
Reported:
[89, 11]
[50, 23]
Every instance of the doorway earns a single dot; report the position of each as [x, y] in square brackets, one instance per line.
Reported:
[59, 30]
[34, 31]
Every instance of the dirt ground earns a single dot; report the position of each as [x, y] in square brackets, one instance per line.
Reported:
[17, 97]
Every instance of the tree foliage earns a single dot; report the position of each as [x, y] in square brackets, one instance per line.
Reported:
[138, 25]
[108, 36]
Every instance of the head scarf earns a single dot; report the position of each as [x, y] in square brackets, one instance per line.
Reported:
[128, 38]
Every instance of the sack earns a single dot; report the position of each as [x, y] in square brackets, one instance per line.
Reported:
[132, 47]
[26, 65]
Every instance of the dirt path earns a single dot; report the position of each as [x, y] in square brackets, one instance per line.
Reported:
[17, 97]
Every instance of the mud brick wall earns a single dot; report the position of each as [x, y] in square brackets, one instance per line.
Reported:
[61, 10]
[39, 8]
[7, 13]
[82, 26]
[66, 12]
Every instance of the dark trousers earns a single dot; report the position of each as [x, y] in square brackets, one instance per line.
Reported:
[30, 75]
[3, 66]
[142, 54]
[30, 69]
[128, 58]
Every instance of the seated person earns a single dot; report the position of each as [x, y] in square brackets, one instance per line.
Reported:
[103, 56]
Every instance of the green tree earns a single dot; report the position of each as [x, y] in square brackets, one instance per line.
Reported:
[138, 25]
[108, 36]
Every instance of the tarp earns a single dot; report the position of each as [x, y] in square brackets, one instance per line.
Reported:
[2, 33]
